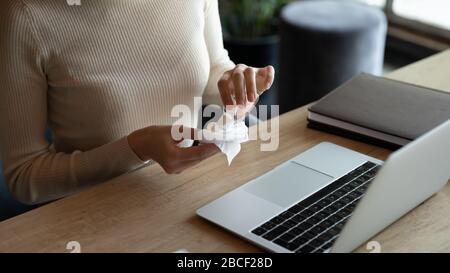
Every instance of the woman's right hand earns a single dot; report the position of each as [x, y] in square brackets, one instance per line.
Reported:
[156, 143]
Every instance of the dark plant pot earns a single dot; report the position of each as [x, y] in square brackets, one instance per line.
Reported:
[257, 52]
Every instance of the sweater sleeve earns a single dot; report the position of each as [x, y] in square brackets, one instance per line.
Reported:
[219, 60]
[35, 172]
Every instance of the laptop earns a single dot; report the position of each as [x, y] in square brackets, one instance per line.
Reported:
[332, 199]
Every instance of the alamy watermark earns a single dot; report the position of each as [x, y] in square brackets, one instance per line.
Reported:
[267, 131]
[74, 247]
[74, 2]
[374, 247]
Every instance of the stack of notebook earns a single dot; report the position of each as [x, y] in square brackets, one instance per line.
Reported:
[380, 111]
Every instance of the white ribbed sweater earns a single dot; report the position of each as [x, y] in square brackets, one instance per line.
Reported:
[94, 73]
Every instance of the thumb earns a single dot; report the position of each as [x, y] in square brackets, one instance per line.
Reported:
[264, 78]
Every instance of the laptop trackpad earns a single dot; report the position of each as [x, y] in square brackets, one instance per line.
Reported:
[288, 184]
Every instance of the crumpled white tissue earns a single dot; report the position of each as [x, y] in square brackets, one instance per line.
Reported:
[227, 134]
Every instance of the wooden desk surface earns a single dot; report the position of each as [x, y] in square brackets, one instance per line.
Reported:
[149, 211]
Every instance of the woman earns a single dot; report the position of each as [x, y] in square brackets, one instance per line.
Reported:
[104, 76]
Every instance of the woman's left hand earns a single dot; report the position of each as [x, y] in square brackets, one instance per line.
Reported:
[243, 84]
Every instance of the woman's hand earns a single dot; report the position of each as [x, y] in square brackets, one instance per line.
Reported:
[243, 84]
[156, 143]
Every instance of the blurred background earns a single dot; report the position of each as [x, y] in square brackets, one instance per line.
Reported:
[261, 32]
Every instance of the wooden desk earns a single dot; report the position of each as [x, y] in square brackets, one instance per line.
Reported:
[149, 211]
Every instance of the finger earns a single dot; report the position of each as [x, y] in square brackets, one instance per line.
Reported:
[264, 78]
[250, 83]
[239, 84]
[225, 89]
[190, 163]
[187, 165]
[200, 152]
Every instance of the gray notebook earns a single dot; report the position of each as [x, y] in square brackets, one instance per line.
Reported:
[382, 109]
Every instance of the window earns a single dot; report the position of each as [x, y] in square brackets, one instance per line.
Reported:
[377, 3]
[427, 17]
[431, 12]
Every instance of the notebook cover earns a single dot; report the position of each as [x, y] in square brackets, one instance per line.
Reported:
[352, 135]
[387, 106]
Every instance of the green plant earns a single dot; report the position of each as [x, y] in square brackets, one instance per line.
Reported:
[246, 19]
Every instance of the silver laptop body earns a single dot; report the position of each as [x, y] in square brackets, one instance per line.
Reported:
[296, 206]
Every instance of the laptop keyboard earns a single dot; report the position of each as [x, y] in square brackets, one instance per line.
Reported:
[314, 224]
